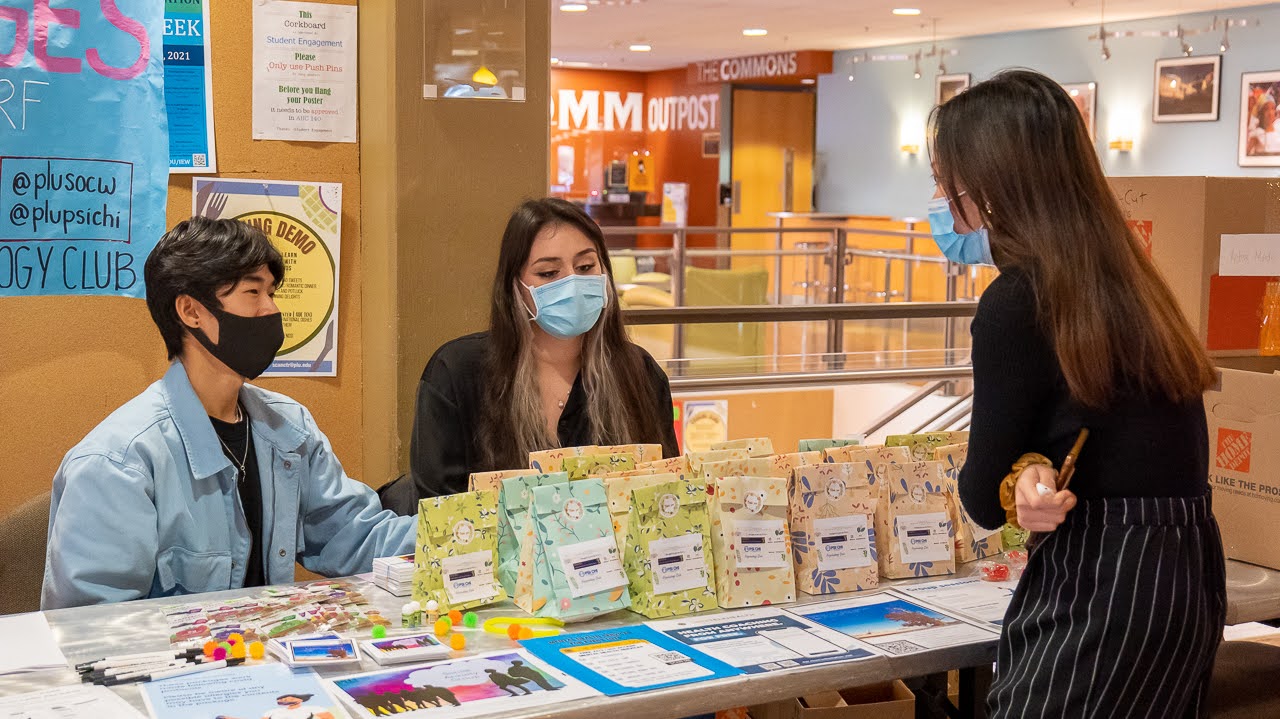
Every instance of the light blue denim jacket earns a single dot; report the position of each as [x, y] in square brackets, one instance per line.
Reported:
[146, 505]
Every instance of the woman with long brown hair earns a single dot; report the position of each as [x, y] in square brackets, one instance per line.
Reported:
[1122, 603]
[554, 370]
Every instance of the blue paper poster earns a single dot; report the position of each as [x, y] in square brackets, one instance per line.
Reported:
[627, 660]
[188, 86]
[84, 146]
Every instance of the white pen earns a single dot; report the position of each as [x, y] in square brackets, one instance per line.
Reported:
[193, 669]
[127, 659]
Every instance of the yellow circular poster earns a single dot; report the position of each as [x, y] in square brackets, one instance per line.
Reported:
[306, 296]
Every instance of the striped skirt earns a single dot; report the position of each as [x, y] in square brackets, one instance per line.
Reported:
[1119, 614]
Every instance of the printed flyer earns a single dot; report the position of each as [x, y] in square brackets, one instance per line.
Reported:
[244, 692]
[188, 86]
[893, 624]
[764, 640]
[971, 596]
[304, 222]
[472, 686]
[84, 151]
[628, 659]
[304, 71]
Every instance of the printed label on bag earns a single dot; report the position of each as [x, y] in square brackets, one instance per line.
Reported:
[924, 538]
[678, 564]
[760, 543]
[842, 542]
[592, 566]
[469, 577]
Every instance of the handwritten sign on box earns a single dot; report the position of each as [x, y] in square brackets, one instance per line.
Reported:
[1250, 256]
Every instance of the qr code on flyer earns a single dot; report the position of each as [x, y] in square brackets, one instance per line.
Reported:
[670, 658]
[901, 647]
[200, 160]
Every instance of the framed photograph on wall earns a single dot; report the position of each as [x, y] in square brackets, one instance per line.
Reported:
[948, 86]
[1085, 95]
[1186, 89]
[1259, 133]
[710, 144]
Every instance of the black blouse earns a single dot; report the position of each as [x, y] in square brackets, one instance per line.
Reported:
[451, 396]
[1138, 447]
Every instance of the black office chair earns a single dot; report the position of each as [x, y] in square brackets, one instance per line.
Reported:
[24, 534]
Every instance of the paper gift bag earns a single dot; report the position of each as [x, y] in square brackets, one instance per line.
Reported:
[456, 558]
[833, 543]
[618, 490]
[914, 533]
[786, 464]
[572, 568]
[756, 467]
[873, 459]
[752, 542]
[922, 446]
[756, 446]
[697, 459]
[477, 481]
[552, 460]
[641, 452]
[513, 521]
[817, 445]
[668, 550]
[972, 542]
[597, 465]
[671, 465]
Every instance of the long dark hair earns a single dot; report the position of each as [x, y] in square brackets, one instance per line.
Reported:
[1019, 147]
[620, 404]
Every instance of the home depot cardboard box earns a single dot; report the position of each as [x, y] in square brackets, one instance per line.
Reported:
[1243, 410]
[1180, 222]
[890, 700]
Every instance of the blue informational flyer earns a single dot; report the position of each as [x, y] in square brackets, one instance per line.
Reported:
[628, 659]
[188, 86]
[764, 640]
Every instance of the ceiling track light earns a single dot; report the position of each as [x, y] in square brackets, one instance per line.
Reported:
[1179, 32]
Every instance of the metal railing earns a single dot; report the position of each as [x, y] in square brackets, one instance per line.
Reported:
[838, 255]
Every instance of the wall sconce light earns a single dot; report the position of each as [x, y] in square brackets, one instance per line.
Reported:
[911, 135]
[1121, 144]
[910, 149]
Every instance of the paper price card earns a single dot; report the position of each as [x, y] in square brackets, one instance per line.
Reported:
[592, 566]
[678, 564]
[924, 537]
[843, 542]
[760, 544]
[469, 577]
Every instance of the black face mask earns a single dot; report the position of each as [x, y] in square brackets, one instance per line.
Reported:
[245, 344]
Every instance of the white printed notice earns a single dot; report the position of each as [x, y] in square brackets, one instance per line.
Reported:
[971, 596]
[924, 537]
[469, 577]
[760, 543]
[678, 564]
[1249, 256]
[894, 624]
[843, 542]
[592, 566]
[304, 71]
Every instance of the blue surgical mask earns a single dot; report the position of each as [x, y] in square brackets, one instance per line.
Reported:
[569, 306]
[971, 248]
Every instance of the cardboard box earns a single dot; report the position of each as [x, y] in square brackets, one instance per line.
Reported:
[1180, 221]
[890, 700]
[1243, 411]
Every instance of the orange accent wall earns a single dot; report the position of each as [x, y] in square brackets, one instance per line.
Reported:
[681, 157]
[593, 150]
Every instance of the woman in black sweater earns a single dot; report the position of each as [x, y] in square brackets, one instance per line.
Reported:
[554, 370]
[1121, 607]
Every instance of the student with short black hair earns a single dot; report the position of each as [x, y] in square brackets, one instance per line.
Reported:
[204, 482]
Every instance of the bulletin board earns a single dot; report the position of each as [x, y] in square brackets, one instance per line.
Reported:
[68, 362]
